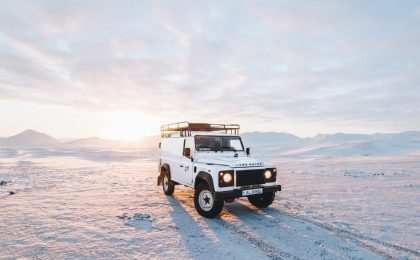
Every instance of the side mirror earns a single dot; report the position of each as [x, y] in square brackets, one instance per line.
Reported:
[187, 152]
[248, 151]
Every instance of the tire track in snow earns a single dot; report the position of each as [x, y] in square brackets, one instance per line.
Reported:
[268, 250]
[358, 239]
[357, 242]
[275, 253]
[355, 238]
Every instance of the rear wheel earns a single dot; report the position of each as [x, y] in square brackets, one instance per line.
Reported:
[167, 184]
[262, 200]
[205, 203]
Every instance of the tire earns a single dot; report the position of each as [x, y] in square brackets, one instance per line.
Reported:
[262, 200]
[167, 184]
[205, 203]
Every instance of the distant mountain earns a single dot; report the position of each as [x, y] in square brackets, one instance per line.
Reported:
[94, 142]
[341, 137]
[29, 138]
[270, 138]
[403, 136]
[269, 144]
[280, 144]
[376, 147]
[338, 137]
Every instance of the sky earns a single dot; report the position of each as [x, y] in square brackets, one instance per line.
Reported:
[120, 69]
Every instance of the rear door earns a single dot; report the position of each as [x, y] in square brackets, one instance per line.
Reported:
[186, 162]
[171, 152]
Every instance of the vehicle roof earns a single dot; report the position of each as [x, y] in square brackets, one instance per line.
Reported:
[186, 128]
[201, 133]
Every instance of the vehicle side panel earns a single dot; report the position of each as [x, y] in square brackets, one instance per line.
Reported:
[170, 153]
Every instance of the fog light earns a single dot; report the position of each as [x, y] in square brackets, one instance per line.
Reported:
[227, 177]
[267, 174]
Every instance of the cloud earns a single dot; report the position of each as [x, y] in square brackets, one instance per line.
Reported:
[288, 61]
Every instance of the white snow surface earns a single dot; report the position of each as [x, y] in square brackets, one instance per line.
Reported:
[87, 207]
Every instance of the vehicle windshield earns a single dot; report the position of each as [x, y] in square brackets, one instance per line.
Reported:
[218, 143]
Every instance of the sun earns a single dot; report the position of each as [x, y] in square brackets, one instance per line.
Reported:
[129, 125]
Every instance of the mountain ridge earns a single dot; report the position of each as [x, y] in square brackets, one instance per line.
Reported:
[93, 141]
[29, 137]
[265, 143]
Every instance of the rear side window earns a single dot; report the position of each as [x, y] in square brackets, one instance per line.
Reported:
[172, 146]
[189, 143]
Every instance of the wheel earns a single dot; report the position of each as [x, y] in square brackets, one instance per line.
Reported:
[205, 203]
[167, 184]
[262, 200]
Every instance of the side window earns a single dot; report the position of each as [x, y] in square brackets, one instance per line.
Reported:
[188, 143]
[172, 147]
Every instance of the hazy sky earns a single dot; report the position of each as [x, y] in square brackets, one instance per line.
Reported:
[119, 69]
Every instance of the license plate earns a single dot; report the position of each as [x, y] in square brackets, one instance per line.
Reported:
[252, 192]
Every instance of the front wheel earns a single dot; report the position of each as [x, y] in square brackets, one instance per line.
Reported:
[262, 200]
[205, 203]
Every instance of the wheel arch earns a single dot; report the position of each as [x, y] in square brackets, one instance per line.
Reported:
[204, 177]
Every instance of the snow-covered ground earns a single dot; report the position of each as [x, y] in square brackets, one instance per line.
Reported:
[376, 199]
[354, 207]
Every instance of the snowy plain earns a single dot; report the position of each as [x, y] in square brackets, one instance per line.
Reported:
[84, 203]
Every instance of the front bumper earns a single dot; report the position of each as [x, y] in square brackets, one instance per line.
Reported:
[238, 192]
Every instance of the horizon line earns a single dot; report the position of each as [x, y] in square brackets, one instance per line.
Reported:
[248, 132]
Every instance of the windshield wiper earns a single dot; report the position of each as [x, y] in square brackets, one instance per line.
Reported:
[205, 147]
[229, 148]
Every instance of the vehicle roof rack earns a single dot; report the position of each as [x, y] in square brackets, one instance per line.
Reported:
[185, 128]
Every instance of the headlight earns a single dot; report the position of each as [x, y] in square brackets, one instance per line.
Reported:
[270, 174]
[226, 178]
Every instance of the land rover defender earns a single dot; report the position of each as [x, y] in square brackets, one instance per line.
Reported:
[211, 159]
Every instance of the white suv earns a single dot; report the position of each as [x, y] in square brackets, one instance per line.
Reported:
[211, 159]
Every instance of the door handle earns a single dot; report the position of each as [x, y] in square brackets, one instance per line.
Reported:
[181, 165]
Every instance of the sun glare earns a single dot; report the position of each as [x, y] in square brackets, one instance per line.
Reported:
[129, 126]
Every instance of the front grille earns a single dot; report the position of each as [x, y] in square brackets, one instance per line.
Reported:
[249, 177]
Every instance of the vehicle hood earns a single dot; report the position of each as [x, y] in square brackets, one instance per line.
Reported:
[232, 162]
